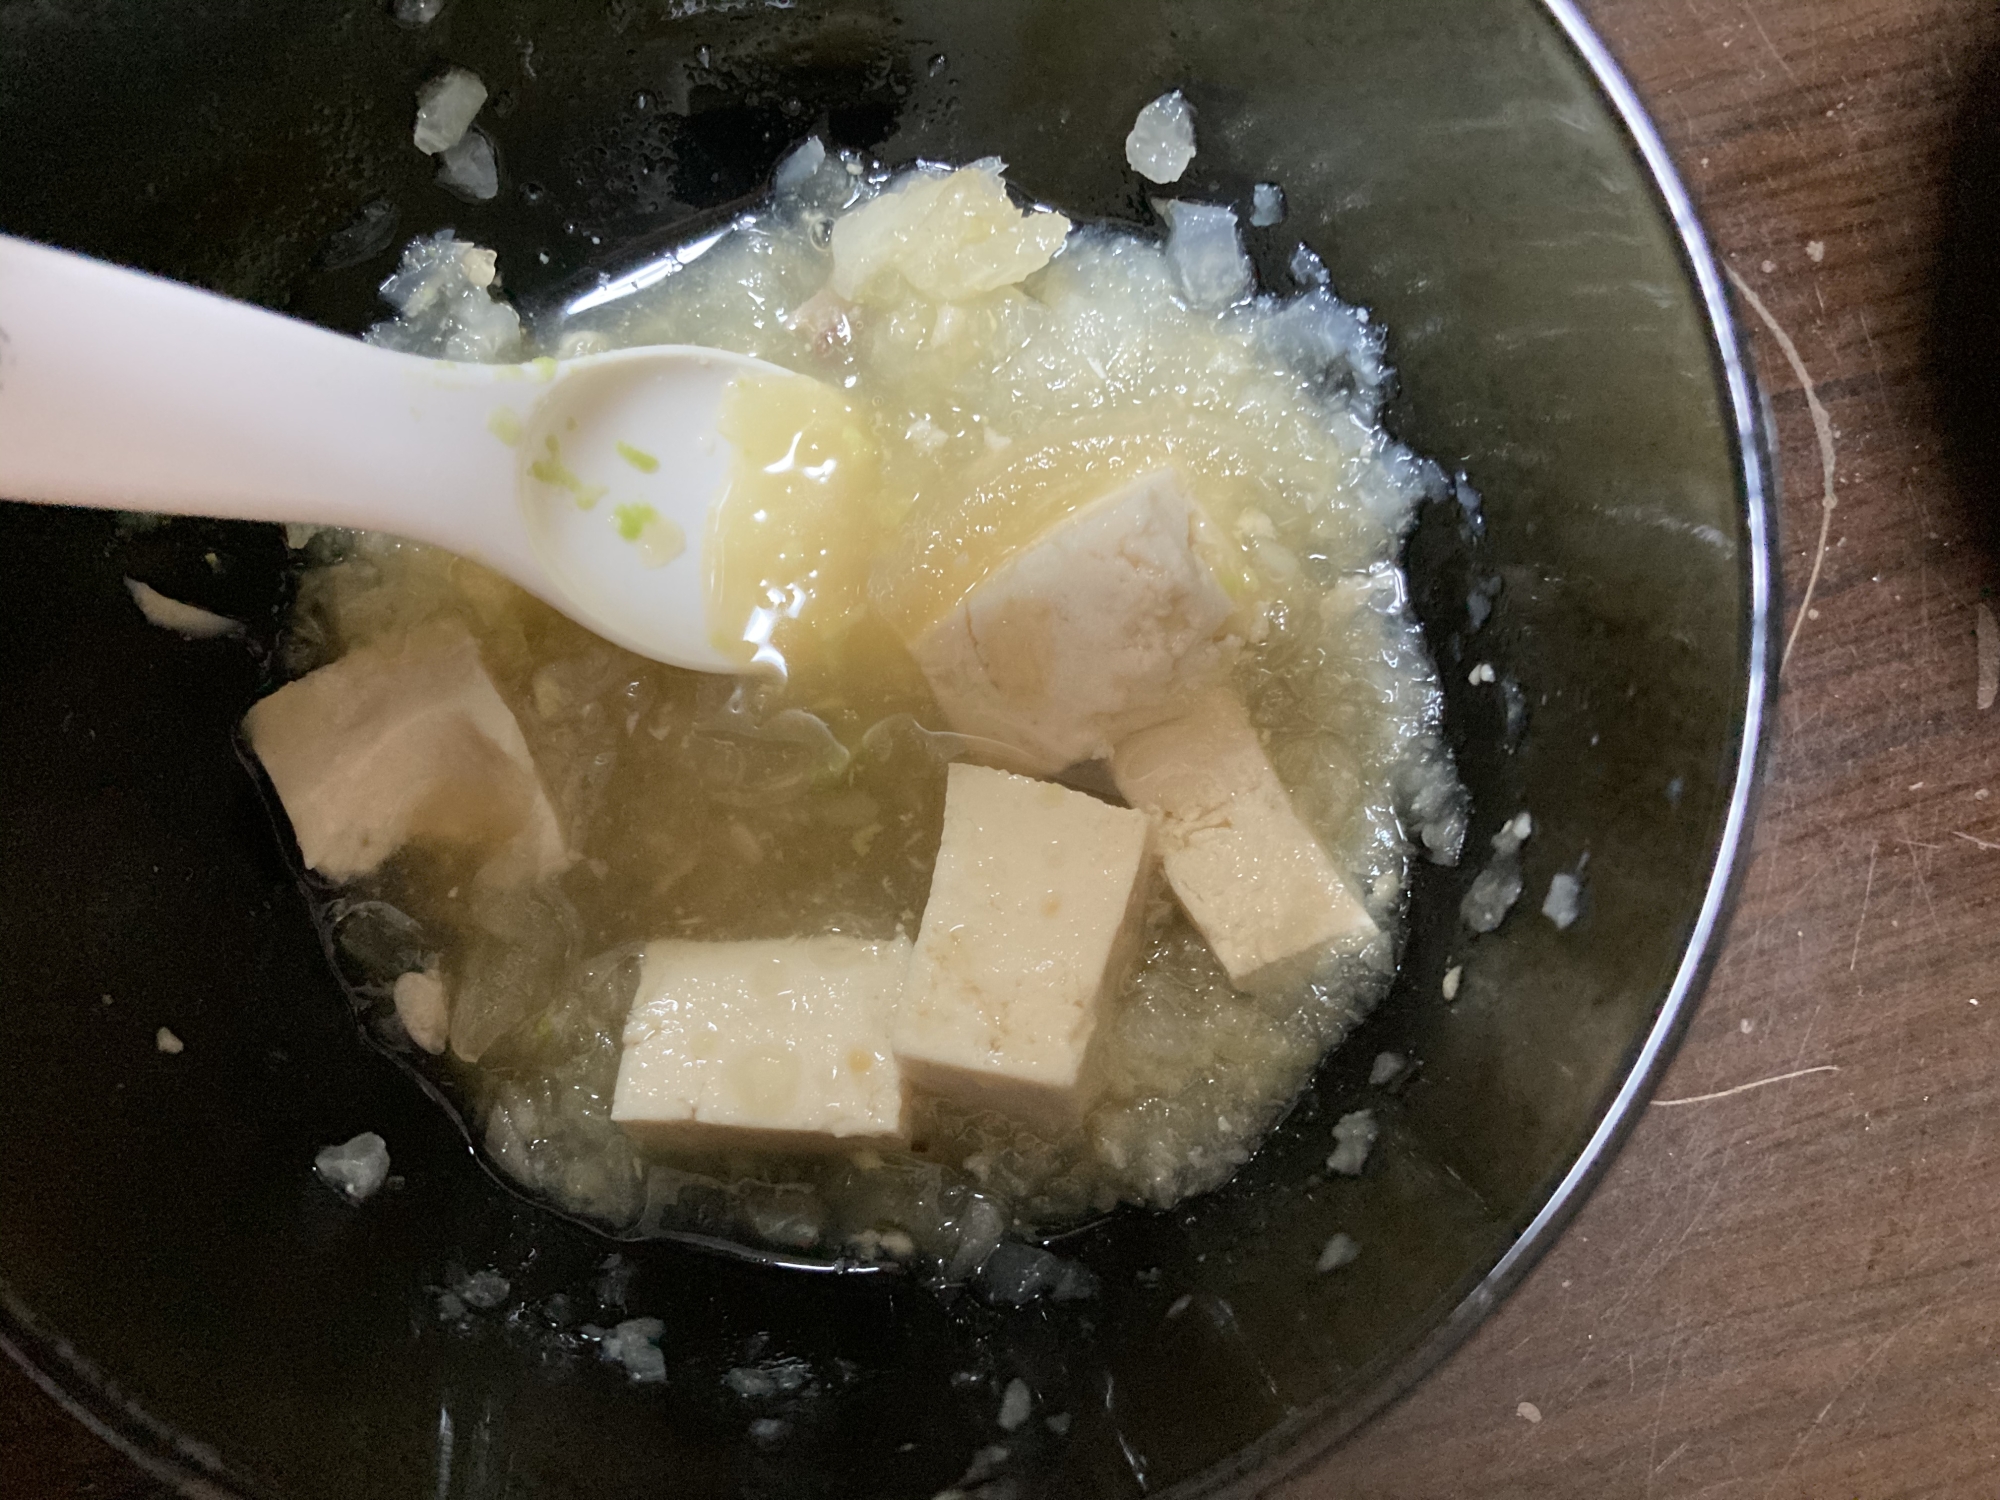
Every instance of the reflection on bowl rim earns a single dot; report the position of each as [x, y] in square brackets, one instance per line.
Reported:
[192, 1470]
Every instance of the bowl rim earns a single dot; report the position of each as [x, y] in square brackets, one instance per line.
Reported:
[1298, 1444]
[191, 1470]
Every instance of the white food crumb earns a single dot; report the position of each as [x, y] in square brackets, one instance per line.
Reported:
[1481, 673]
[800, 166]
[1340, 1251]
[1267, 205]
[1207, 251]
[484, 1290]
[469, 169]
[1497, 887]
[445, 107]
[1560, 905]
[183, 619]
[358, 1167]
[168, 1043]
[761, 1382]
[1161, 142]
[980, 1227]
[1815, 251]
[1387, 1067]
[1354, 1136]
[1015, 1405]
[635, 1344]
[1451, 978]
[1529, 1412]
[1308, 269]
[442, 294]
[1494, 891]
[424, 1009]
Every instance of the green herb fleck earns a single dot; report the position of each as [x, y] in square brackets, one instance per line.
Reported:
[633, 519]
[553, 471]
[639, 459]
[504, 425]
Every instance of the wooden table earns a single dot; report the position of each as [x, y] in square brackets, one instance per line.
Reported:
[1788, 1287]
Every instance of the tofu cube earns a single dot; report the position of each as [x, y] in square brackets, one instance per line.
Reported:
[1035, 912]
[780, 1044]
[1100, 626]
[1247, 871]
[406, 742]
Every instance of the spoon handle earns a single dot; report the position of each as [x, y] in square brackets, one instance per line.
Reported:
[122, 390]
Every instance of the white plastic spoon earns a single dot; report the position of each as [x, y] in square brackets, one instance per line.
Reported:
[125, 391]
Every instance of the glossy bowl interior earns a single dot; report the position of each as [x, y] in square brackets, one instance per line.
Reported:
[167, 1259]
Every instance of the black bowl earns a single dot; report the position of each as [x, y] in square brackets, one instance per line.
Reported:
[1474, 170]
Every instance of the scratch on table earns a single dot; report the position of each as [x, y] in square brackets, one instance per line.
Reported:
[1861, 1369]
[1867, 890]
[1982, 843]
[1910, 846]
[1988, 633]
[1770, 47]
[1662, 1464]
[1660, 1404]
[1823, 430]
[1744, 1088]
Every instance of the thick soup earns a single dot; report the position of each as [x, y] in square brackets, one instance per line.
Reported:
[1061, 817]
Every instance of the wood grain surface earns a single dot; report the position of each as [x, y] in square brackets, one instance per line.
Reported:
[1788, 1287]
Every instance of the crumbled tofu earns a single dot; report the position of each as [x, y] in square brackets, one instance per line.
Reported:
[1339, 1251]
[1249, 873]
[1100, 626]
[357, 1168]
[1161, 142]
[1564, 900]
[799, 166]
[779, 1043]
[1206, 248]
[951, 236]
[445, 107]
[188, 620]
[635, 1344]
[1017, 1403]
[1495, 889]
[1267, 205]
[406, 742]
[470, 169]
[1354, 1136]
[168, 1043]
[424, 1009]
[1036, 907]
